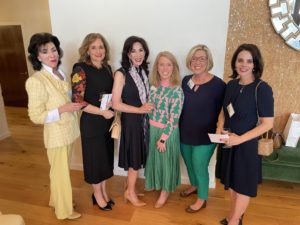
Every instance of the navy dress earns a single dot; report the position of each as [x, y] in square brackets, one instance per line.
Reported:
[239, 168]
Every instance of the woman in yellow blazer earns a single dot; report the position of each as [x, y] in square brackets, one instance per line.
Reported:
[49, 103]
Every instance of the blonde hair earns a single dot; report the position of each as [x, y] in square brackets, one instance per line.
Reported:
[204, 48]
[175, 77]
[87, 41]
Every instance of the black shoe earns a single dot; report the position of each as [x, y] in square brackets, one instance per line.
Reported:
[224, 221]
[241, 220]
[105, 208]
[111, 202]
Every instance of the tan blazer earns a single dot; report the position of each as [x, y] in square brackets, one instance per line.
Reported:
[46, 93]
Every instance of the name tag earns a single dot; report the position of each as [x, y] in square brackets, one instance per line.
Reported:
[153, 88]
[230, 110]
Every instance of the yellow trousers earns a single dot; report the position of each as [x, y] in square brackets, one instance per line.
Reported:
[60, 181]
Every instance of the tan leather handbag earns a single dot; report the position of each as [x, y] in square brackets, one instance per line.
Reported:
[265, 145]
[115, 127]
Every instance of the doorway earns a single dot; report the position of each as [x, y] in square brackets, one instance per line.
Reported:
[13, 66]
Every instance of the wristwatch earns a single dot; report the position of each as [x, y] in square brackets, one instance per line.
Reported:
[162, 141]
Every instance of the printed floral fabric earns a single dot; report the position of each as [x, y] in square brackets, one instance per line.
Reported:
[141, 82]
[78, 85]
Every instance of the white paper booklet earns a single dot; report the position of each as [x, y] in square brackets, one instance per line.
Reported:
[106, 98]
[216, 138]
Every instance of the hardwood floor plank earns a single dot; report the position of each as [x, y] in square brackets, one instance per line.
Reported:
[24, 190]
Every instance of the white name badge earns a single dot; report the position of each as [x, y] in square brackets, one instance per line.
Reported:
[230, 110]
[153, 88]
[191, 84]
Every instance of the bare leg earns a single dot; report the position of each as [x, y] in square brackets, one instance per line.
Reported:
[98, 195]
[103, 190]
[232, 203]
[130, 193]
[163, 197]
[241, 204]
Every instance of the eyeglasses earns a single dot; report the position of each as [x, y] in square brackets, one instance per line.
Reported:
[199, 59]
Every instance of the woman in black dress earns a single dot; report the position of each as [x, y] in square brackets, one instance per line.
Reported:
[130, 95]
[239, 167]
[92, 77]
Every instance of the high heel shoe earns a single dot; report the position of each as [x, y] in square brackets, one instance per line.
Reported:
[225, 221]
[159, 205]
[111, 202]
[136, 203]
[190, 210]
[185, 193]
[105, 208]
[138, 194]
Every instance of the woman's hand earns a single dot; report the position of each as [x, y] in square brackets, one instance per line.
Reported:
[107, 114]
[109, 105]
[161, 146]
[233, 139]
[70, 107]
[146, 108]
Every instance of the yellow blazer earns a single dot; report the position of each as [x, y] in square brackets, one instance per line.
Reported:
[46, 93]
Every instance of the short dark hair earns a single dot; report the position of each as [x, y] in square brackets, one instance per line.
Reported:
[257, 60]
[128, 44]
[36, 41]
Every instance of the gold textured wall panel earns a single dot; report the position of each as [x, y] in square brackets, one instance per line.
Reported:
[250, 22]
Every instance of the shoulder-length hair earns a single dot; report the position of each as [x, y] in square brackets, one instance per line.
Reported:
[128, 45]
[175, 77]
[210, 62]
[87, 41]
[257, 60]
[36, 41]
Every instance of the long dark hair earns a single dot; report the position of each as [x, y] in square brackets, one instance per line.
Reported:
[257, 60]
[128, 44]
[36, 41]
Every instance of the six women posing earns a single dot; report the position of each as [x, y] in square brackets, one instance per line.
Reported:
[247, 100]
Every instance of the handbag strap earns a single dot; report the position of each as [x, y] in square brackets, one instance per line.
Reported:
[257, 107]
[256, 100]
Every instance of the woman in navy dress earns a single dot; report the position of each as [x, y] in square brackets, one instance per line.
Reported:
[239, 167]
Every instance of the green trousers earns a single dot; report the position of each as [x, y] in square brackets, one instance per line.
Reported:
[196, 158]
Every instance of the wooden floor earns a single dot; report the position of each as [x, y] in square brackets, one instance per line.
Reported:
[24, 189]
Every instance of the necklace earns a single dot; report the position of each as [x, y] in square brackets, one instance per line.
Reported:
[242, 88]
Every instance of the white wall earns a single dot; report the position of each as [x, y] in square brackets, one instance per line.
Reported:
[173, 25]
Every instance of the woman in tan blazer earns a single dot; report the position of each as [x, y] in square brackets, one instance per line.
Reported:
[49, 104]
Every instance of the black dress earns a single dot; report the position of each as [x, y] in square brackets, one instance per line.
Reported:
[97, 144]
[239, 168]
[133, 150]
